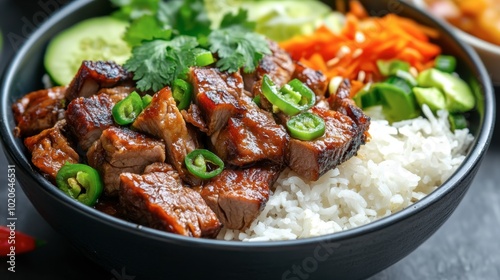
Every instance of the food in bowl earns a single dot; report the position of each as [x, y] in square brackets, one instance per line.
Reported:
[252, 176]
[478, 18]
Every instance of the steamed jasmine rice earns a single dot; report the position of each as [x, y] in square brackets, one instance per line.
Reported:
[400, 164]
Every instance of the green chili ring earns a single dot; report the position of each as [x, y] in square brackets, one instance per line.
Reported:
[126, 111]
[198, 163]
[292, 98]
[182, 93]
[80, 182]
[203, 57]
[306, 126]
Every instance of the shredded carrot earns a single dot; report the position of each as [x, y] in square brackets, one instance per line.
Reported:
[357, 9]
[362, 42]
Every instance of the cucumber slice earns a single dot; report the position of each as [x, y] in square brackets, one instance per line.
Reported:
[97, 38]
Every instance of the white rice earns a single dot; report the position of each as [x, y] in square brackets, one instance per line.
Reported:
[401, 163]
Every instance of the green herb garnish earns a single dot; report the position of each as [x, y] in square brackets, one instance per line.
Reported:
[164, 36]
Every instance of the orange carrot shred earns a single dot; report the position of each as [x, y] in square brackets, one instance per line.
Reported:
[362, 41]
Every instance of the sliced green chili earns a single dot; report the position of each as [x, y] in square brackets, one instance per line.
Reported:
[203, 57]
[80, 182]
[126, 111]
[203, 164]
[182, 93]
[306, 126]
[292, 98]
[146, 99]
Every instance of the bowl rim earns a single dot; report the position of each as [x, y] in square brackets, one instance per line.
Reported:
[471, 39]
[15, 153]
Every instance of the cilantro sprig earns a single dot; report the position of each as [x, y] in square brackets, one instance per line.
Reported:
[164, 35]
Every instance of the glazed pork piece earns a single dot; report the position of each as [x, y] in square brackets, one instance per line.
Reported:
[162, 119]
[252, 137]
[87, 117]
[342, 139]
[95, 75]
[278, 65]
[315, 80]
[340, 101]
[158, 199]
[238, 196]
[217, 95]
[38, 110]
[50, 150]
[121, 150]
[194, 117]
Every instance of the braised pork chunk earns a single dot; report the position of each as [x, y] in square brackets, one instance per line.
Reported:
[342, 138]
[162, 119]
[50, 150]
[340, 101]
[252, 137]
[315, 80]
[38, 110]
[95, 75]
[217, 95]
[238, 196]
[87, 117]
[278, 65]
[158, 199]
[121, 150]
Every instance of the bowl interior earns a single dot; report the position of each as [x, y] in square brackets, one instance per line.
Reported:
[26, 71]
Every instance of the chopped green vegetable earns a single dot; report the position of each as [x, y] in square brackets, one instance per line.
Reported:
[445, 63]
[306, 126]
[390, 67]
[366, 98]
[126, 110]
[432, 97]
[182, 93]
[457, 121]
[80, 182]
[203, 57]
[291, 99]
[407, 76]
[459, 97]
[397, 98]
[146, 100]
[203, 164]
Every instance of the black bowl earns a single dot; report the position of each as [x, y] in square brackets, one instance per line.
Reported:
[148, 253]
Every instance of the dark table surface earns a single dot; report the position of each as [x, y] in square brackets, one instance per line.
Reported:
[466, 247]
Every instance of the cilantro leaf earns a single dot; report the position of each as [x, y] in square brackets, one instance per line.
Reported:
[192, 19]
[240, 18]
[134, 9]
[180, 52]
[158, 63]
[146, 28]
[237, 48]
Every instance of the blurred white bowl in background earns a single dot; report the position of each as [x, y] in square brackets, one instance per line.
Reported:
[489, 52]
